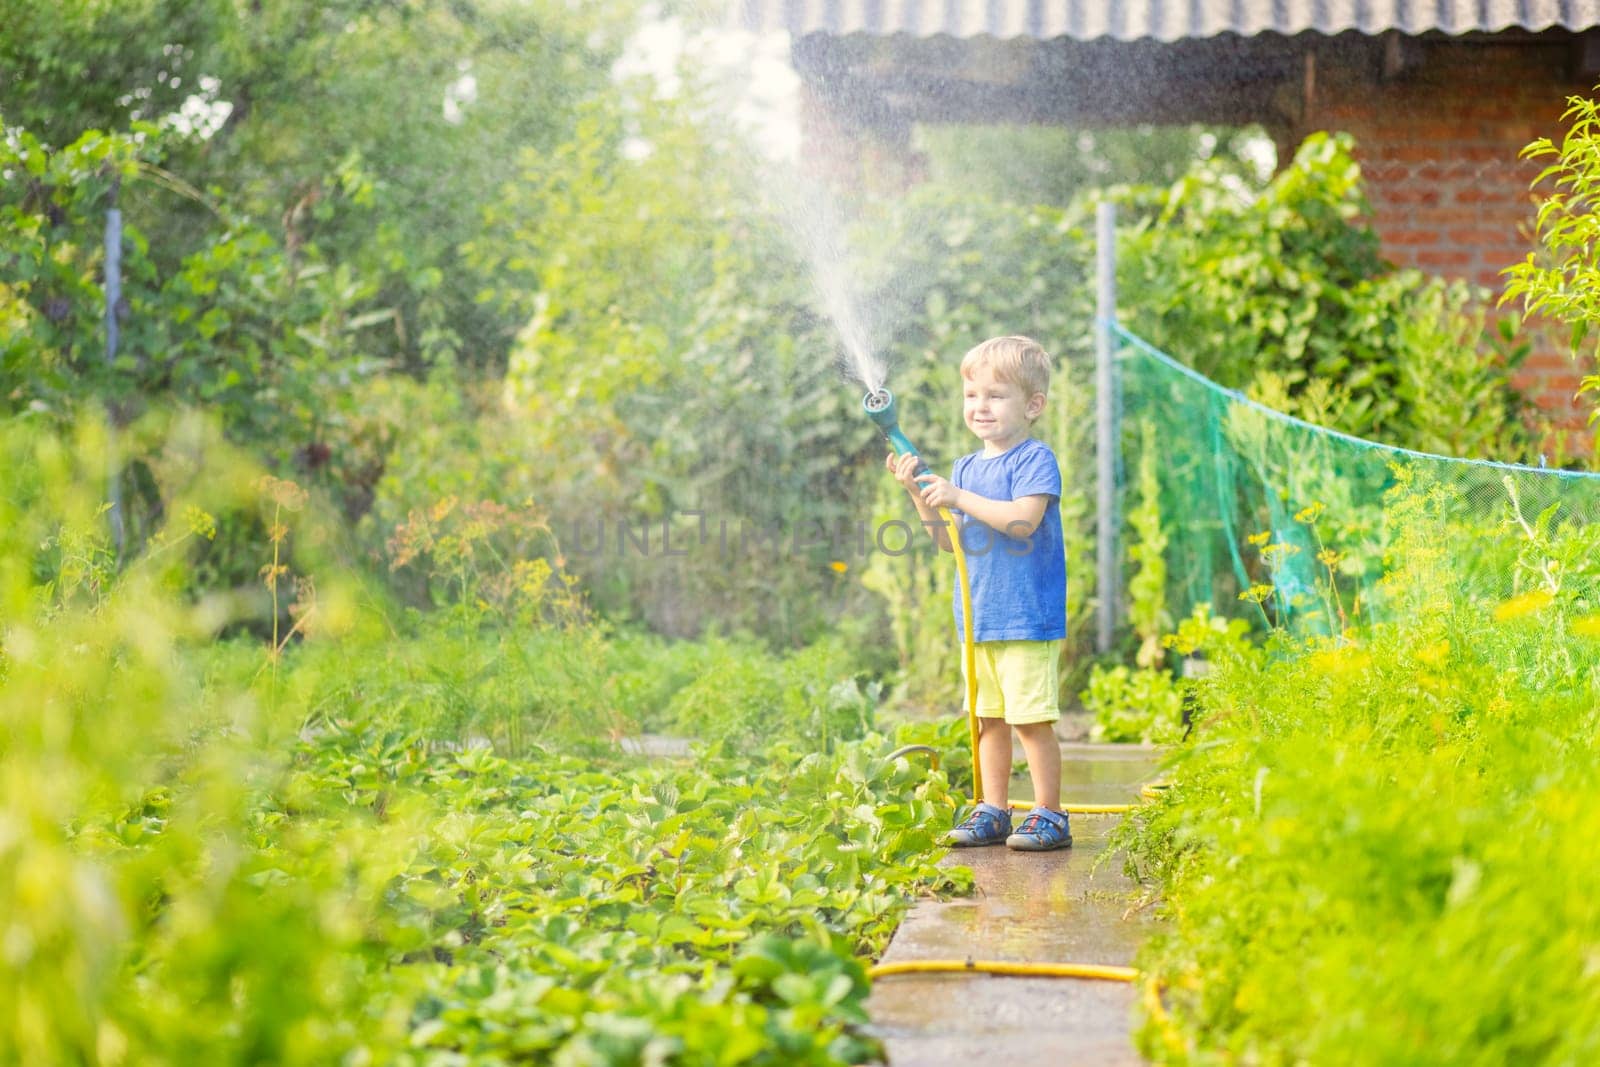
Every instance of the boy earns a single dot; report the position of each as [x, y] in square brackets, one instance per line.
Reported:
[1005, 499]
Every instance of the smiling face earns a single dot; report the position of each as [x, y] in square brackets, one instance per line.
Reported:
[998, 412]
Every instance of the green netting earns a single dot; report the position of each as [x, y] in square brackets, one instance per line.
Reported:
[1326, 530]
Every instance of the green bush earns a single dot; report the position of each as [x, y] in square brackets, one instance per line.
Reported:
[266, 337]
[1289, 285]
[1143, 704]
[1392, 822]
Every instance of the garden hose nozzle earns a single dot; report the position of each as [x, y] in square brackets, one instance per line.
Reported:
[880, 408]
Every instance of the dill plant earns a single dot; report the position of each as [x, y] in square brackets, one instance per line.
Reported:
[1393, 822]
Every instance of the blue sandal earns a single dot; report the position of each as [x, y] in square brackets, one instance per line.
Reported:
[1042, 831]
[987, 825]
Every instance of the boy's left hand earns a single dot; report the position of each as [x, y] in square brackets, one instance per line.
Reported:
[938, 492]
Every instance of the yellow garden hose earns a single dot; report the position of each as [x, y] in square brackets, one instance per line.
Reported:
[969, 651]
[1103, 971]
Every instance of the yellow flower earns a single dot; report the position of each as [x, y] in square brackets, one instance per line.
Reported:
[1342, 659]
[1261, 538]
[1525, 604]
[1309, 513]
[1434, 655]
[441, 508]
[1282, 548]
[1256, 593]
[1587, 626]
[200, 523]
[839, 566]
[1329, 558]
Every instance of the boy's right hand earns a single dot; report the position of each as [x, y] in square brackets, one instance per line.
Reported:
[904, 469]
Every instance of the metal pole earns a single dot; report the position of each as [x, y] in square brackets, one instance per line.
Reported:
[1106, 425]
[113, 298]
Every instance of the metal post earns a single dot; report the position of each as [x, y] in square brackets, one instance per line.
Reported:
[1110, 585]
[113, 298]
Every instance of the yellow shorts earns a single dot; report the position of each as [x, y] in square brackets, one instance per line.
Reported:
[1018, 681]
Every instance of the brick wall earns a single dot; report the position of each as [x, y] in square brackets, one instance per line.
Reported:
[1438, 142]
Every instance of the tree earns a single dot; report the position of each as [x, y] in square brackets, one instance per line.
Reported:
[1560, 278]
[412, 111]
[76, 65]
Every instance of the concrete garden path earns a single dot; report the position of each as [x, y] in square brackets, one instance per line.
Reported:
[1039, 908]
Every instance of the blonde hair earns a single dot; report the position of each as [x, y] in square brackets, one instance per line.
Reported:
[1022, 361]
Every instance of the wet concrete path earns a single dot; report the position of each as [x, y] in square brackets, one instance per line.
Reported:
[1033, 908]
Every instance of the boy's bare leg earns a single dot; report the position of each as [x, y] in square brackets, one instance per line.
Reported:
[994, 760]
[1044, 762]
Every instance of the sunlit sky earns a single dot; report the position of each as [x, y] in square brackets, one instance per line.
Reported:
[750, 71]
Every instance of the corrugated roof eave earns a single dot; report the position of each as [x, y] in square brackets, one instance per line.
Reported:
[1161, 20]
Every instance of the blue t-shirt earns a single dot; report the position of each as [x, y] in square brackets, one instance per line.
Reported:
[1019, 585]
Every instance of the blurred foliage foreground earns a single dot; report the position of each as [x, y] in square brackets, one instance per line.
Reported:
[355, 845]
